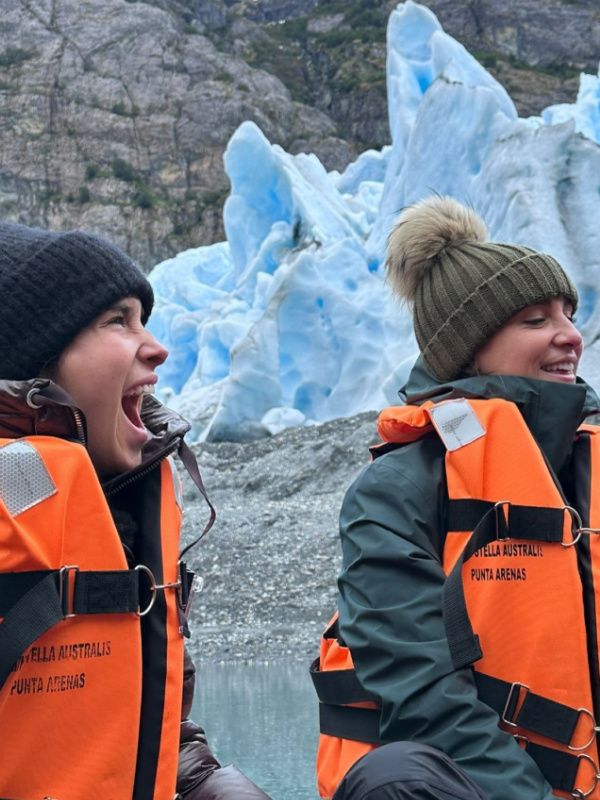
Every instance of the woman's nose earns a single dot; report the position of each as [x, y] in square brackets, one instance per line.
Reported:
[568, 334]
[153, 351]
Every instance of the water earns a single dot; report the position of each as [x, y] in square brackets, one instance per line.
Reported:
[264, 719]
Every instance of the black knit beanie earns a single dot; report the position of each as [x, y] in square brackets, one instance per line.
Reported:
[52, 285]
[462, 288]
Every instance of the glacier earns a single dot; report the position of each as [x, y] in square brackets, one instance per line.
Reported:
[290, 321]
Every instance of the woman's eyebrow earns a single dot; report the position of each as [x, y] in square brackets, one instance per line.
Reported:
[124, 308]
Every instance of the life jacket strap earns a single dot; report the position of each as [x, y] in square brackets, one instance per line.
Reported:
[515, 704]
[338, 687]
[560, 769]
[349, 722]
[530, 523]
[501, 522]
[518, 706]
[33, 602]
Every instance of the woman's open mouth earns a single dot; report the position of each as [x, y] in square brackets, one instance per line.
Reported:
[132, 404]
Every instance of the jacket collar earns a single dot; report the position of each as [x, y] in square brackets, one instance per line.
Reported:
[41, 407]
[553, 411]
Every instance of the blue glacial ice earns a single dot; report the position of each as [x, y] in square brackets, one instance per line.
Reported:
[289, 321]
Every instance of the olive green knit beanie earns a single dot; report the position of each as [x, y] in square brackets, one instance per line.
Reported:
[461, 288]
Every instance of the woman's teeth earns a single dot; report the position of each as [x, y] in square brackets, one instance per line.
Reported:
[146, 388]
[564, 367]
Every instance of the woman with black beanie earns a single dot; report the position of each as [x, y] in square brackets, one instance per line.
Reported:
[95, 685]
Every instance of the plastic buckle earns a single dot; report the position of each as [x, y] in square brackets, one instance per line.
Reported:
[196, 587]
[66, 586]
[582, 793]
[499, 509]
[515, 687]
[577, 522]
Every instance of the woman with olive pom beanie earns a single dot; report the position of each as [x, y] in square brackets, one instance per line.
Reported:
[468, 594]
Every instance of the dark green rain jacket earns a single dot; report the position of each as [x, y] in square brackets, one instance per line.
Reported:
[392, 527]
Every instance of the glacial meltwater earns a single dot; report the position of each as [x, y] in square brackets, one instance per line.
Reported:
[264, 719]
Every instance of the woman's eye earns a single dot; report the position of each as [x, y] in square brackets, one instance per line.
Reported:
[119, 319]
[535, 321]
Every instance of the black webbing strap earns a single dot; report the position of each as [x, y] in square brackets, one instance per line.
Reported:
[40, 600]
[532, 523]
[464, 515]
[338, 687]
[38, 610]
[536, 713]
[502, 521]
[348, 722]
[13, 585]
[362, 725]
[106, 592]
[559, 768]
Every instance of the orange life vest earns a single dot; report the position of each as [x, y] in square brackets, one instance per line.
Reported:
[510, 556]
[90, 704]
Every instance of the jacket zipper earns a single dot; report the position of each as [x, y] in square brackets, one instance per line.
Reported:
[79, 426]
[141, 471]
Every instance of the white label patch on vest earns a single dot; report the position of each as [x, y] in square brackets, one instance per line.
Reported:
[24, 479]
[456, 423]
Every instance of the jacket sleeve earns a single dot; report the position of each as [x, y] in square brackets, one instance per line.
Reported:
[200, 776]
[390, 608]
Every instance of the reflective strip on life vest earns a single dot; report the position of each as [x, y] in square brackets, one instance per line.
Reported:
[24, 479]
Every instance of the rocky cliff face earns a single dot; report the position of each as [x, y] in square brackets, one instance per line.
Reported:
[114, 115]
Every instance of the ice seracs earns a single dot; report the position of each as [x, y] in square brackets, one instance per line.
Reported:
[290, 321]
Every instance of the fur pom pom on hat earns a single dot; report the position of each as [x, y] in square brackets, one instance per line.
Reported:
[462, 288]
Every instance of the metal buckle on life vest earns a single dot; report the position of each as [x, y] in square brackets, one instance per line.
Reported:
[578, 526]
[154, 587]
[66, 586]
[584, 712]
[579, 794]
[579, 529]
[516, 687]
[516, 701]
[502, 520]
